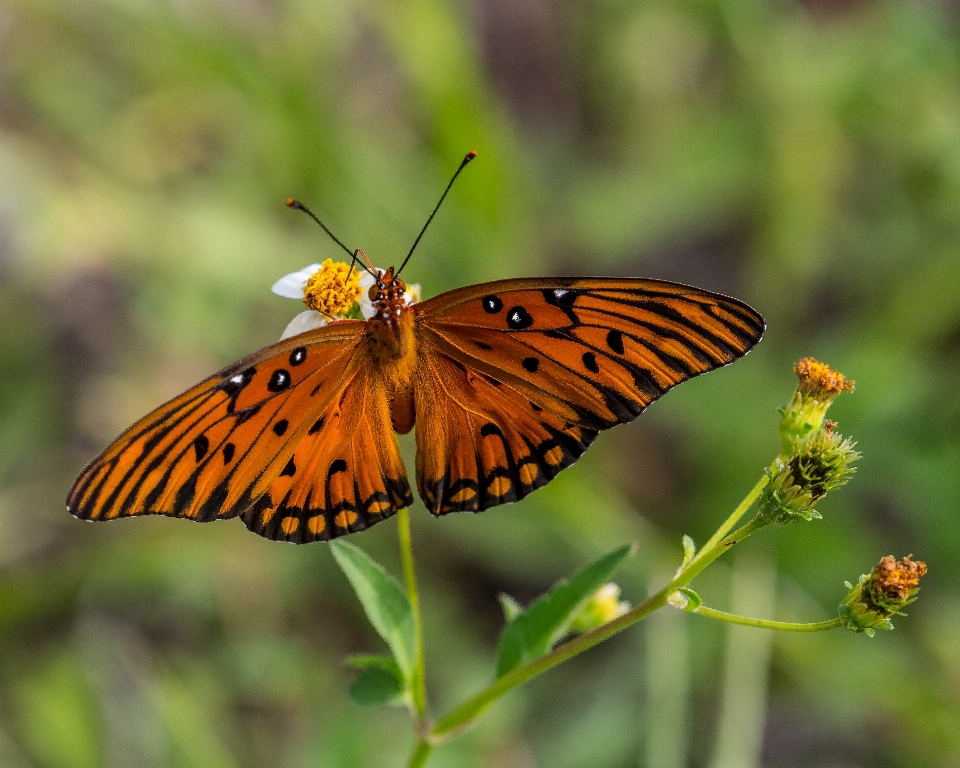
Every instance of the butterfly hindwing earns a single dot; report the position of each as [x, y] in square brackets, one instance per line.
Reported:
[560, 356]
[345, 474]
[480, 442]
[214, 450]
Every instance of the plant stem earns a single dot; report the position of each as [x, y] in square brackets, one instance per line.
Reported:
[734, 518]
[420, 754]
[464, 715]
[418, 684]
[783, 626]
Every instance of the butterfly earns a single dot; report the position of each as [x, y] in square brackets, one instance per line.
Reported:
[507, 382]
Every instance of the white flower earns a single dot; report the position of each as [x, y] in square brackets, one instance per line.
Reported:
[293, 286]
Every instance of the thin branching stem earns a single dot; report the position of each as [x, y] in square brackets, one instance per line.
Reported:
[421, 753]
[419, 687]
[742, 508]
[464, 715]
[783, 626]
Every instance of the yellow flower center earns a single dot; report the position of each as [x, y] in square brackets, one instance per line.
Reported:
[332, 289]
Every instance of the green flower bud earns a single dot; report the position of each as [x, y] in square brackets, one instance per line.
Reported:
[806, 412]
[603, 606]
[820, 463]
[881, 594]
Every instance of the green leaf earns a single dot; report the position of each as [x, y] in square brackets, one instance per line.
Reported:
[379, 683]
[511, 608]
[533, 632]
[383, 600]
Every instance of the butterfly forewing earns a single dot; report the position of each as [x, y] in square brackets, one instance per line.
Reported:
[215, 449]
[583, 354]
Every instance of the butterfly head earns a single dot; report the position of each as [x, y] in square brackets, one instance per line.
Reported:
[388, 294]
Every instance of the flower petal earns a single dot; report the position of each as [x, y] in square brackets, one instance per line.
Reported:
[291, 286]
[307, 320]
[366, 306]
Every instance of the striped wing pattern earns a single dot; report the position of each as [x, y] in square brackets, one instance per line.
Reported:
[217, 449]
[512, 382]
[345, 475]
[533, 368]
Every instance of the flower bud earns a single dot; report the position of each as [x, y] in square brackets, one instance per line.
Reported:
[820, 463]
[818, 386]
[881, 594]
[603, 606]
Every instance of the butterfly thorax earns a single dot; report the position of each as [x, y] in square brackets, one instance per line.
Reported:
[390, 343]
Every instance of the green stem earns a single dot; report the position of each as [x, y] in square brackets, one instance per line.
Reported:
[783, 626]
[464, 715]
[420, 754]
[418, 683]
[727, 525]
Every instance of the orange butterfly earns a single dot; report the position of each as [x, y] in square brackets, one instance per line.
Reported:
[508, 383]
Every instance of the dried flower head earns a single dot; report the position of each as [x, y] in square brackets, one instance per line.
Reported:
[818, 386]
[819, 380]
[882, 594]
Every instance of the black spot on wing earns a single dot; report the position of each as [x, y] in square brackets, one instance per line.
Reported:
[492, 304]
[615, 341]
[279, 380]
[200, 446]
[518, 318]
[490, 429]
[563, 298]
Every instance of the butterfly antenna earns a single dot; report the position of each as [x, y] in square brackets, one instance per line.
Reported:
[463, 164]
[297, 205]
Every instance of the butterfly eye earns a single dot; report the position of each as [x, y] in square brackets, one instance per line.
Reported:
[373, 293]
[403, 285]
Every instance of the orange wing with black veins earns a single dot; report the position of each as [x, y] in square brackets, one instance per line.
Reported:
[231, 444]
[516, 377]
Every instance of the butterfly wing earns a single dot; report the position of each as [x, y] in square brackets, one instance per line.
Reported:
[345, 474]
[229, 442]
[516, 377]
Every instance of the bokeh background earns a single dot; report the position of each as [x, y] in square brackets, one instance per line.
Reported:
[803, 156]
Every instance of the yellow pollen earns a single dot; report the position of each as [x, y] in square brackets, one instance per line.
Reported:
[330, 291]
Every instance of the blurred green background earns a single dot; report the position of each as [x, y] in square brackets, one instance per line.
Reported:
[803, 156]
